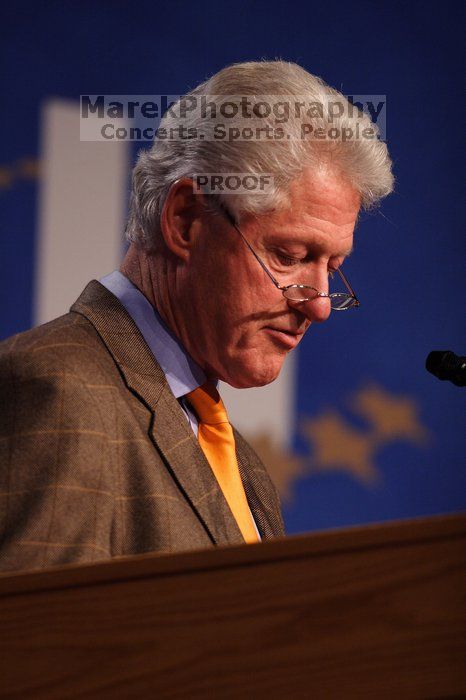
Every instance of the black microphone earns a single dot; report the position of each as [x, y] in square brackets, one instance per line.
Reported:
[444, 364]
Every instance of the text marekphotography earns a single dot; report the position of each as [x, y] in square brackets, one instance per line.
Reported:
[231, 118]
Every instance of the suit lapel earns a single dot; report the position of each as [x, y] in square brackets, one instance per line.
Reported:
[260, 492]
[169, 428]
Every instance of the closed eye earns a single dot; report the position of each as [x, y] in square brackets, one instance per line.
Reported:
[287, 261]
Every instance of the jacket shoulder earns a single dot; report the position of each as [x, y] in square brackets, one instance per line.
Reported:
[69, 344]
[57, 412]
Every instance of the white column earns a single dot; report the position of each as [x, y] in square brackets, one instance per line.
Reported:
[82, 210]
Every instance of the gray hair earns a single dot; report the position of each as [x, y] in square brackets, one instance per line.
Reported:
[363, 162]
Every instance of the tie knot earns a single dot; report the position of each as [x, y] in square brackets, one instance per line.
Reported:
[208, 405]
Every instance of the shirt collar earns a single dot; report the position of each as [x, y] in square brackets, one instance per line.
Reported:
[182, 373]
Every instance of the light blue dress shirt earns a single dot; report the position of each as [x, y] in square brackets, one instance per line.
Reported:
[182, 373]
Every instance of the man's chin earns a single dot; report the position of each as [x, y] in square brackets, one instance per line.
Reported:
[248, 377]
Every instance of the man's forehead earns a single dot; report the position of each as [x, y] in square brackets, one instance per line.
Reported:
[318, 217]
[325, 196]
[321, 202]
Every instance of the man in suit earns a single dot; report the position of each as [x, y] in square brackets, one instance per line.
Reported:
[102, 440]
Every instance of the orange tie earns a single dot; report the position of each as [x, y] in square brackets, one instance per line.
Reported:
[217, 441]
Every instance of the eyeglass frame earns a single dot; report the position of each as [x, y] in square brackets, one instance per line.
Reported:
[284, 289]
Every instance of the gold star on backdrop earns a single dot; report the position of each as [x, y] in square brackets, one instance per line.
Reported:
[22, 169]
[6, 177]
[391, 417]
[28, 169]
[337, 446]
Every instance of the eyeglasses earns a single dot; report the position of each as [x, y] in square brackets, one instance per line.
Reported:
[339, 301]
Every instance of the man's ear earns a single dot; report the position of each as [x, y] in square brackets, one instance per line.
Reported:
[181, 218]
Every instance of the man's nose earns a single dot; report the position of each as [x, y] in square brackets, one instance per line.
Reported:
[316, 310]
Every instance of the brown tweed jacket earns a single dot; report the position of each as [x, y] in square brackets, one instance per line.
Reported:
[97, 459]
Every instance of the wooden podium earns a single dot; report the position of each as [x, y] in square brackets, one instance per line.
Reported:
[368, 612]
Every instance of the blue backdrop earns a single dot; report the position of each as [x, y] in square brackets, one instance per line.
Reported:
[375, 436]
